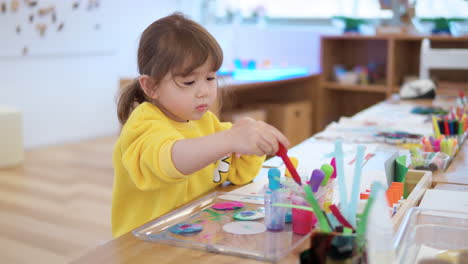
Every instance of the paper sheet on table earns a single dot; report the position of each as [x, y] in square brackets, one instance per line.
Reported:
[312, 154]
[349, 131]
[392, 117]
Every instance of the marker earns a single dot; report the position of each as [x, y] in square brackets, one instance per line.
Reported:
[328, 171]
[316, 179]
[446, 126]
[333, 164]
[436, 127]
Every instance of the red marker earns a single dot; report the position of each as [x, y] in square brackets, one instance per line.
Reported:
[283, 153]
[447, 130]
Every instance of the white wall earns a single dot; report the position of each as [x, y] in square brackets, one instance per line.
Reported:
[69, 98]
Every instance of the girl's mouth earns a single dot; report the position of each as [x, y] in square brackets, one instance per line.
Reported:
[202, 107]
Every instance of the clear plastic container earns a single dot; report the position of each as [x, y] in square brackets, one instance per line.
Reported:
[430, 161]
[265, 246]
[428, 232]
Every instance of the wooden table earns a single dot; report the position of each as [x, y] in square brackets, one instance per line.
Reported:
[129, 249]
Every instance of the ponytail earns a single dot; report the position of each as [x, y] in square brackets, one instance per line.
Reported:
[129, 98]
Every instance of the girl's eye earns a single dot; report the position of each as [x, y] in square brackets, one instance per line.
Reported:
[189, 83]
[210, 78]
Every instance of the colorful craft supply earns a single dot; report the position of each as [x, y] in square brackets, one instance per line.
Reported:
[341, 176]
[295, 163]
[248, 215]
[323, 223]
[224, 206]
[184, 228]
[436, 127]
[339, 216]
[274, 216]
[333, 164]
[303, 221]
[283, 154]
[356, 184]
[316, 179]
[328, 171]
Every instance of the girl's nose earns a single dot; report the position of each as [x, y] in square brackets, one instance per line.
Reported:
[202, 91]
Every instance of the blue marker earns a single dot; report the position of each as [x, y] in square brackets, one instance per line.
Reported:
[274, 215]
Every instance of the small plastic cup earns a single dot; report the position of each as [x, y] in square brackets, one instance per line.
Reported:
[303, 221]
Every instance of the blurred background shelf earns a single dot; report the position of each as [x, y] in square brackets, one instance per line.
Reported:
[375, 88]
[394, 59]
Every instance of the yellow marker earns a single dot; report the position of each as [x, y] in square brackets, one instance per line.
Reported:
[436, 127]
[294, 161]
[326, 206]
[450, 147]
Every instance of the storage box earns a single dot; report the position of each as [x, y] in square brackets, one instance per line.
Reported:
[417, 182]
[424, 233]
[293, 119]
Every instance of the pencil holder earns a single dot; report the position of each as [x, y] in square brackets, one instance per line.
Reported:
[333, 248]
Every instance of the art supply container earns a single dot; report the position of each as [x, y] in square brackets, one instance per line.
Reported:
[275, 216]
[335, 248]
[303, 221]
[430, 161]
[426, 234]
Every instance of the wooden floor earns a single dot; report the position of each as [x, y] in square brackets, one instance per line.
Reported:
[56, 206]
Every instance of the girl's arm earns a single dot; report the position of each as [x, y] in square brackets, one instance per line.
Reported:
[246, 137]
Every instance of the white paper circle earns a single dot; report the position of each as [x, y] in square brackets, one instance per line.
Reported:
[244, 228]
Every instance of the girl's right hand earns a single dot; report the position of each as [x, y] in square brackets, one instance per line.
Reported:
[251, 137]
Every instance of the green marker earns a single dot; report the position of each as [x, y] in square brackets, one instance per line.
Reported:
[328, 171]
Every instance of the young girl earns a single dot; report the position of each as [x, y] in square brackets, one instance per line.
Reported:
[171, 148]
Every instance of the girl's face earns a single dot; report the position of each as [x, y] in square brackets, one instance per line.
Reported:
[189, 97]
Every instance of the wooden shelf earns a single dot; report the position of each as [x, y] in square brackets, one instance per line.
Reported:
[375, 88]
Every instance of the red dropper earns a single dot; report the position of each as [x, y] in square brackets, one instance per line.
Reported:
[283, 153]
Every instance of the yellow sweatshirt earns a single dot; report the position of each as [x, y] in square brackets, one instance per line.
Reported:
[146, 183]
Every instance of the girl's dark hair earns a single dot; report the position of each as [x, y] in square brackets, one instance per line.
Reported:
[173, 44]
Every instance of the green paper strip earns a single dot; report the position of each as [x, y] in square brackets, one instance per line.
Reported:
[294, 206]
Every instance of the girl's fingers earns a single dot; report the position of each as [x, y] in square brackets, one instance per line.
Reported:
[264, 146]
[271, 140]
[278, 135]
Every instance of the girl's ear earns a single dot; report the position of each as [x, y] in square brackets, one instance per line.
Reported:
[148, 86]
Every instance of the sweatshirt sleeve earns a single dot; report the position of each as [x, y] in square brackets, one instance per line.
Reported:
[147, 155]
[244, 168]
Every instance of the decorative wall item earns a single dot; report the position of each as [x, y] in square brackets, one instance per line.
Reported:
[56, 27]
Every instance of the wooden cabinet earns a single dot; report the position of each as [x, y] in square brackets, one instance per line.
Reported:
[289, 104]
[393, 57]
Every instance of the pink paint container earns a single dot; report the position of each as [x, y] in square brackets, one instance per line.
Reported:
[303, 221]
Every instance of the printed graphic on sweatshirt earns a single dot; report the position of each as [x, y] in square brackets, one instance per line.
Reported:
[222, 167]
